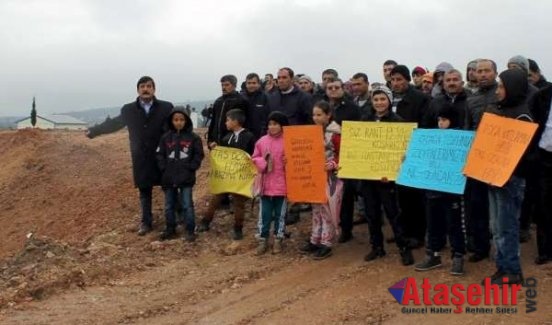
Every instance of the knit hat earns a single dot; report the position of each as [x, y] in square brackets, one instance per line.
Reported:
[533, 66]
[428, 77]
[521, 61]
[443, 67]
[305, 77]
[418, 71]
[383, 89]
[447, 111]
[473, 64]
[402, 70]
[279, 118]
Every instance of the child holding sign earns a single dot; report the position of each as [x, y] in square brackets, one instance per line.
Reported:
[238, 138]
[444, 214]
[268, 157]
[325, 217]
[383, 193]
[179, 155]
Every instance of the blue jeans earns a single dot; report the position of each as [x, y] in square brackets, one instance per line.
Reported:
[184, 194]
[272, 209]
[504, 210]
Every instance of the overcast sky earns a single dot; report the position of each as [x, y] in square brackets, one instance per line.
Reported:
[81, 54]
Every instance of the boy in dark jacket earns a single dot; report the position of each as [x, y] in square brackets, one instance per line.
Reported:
[383, 192]
[238, 138]
[179, 156]
[444, 212]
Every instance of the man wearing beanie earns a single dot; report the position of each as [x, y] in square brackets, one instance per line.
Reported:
[417, 76]
[438, 74]
[471, 79]
[410, 104]
[535, 76]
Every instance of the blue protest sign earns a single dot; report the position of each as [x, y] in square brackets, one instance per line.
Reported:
[435, 159]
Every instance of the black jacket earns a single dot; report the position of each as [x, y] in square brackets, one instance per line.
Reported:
[179, 155]
[217, 127]
[366, 108]
[346, 110]
[144, 133]
[458, 103]
[297, 106]
[542, 83]
[514, 106]
[245, 141]
[541, 108]
[413, 105]
[484, 100]
[389, 117]
[257, 112]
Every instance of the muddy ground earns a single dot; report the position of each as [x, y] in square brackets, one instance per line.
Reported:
[69, 254]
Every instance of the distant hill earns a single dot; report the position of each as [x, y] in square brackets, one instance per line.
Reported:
[7, 122]
[96, 115]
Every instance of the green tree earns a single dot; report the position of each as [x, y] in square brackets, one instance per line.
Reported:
[33, 113]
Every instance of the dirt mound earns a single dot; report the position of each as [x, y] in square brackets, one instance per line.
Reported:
[69, 254]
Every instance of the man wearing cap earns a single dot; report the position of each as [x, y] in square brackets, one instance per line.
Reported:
[417, 77]
[410, 104]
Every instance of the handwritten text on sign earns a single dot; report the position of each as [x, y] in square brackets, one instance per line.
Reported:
[232, 171]
[306, 178]
[373, 150]
[435, 159]
[498, 147]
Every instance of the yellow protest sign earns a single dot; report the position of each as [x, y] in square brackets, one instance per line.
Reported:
[232, 171]
[373, 150]
[497, 148]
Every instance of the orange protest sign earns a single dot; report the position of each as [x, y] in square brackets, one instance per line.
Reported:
[306, 178]
[497, 148]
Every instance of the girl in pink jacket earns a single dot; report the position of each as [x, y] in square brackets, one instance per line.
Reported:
[268, 157]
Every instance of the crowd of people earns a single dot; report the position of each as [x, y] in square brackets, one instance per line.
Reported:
[165, 151]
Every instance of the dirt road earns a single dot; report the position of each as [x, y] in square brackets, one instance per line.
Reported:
[105, 274]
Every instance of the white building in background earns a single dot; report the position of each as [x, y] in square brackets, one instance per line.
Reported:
[50, 122]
